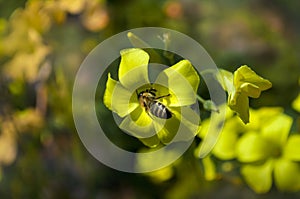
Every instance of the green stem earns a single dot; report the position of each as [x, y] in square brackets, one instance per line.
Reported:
[208, 104]
[200, 99]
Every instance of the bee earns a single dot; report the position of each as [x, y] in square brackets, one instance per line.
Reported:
[149, 101]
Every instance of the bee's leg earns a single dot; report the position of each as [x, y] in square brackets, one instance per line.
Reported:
[147, 111]
[150, 115]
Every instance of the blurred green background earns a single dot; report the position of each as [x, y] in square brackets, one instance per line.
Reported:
[42, 44]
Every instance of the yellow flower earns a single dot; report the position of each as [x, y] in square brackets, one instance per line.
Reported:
[270, 154]
[242, 84]
[178, 83]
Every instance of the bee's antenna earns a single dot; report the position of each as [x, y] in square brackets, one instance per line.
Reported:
[163, 96]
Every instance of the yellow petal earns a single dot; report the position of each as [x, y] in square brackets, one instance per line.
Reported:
[118, 99]
[252, 147]
[210, 170]
[278, 129]
[225, 149]
[151, 142]
[183, 80]
[250, 90]
[133, 69]
[138, 124]
[287, 175]
[247, 84]
[239, 103]
[296, 103]
[110, 86]
[210, 131]
[182, 126]
[138, 121]
[245, 74]
[225, 78]
[258, 177]
[292, 149]
[166, 129]
[262, 116]
[190, 123]
[139, 43]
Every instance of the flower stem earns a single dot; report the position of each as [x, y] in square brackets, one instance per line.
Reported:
[208, 104]
[200, 99]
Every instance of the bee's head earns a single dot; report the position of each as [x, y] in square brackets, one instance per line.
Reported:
[150, 91]
[139, 94]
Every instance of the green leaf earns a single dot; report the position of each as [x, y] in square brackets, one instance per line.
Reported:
[292, 148]
[258, 177]
[287, 175]
[133, 69]
[252, 147]
[118, 99]
[183, 81]
[278, 129]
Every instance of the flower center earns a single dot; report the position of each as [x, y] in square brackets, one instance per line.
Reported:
[277, 151]
[153, 98]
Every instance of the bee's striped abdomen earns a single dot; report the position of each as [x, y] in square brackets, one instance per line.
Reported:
[159, 110]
